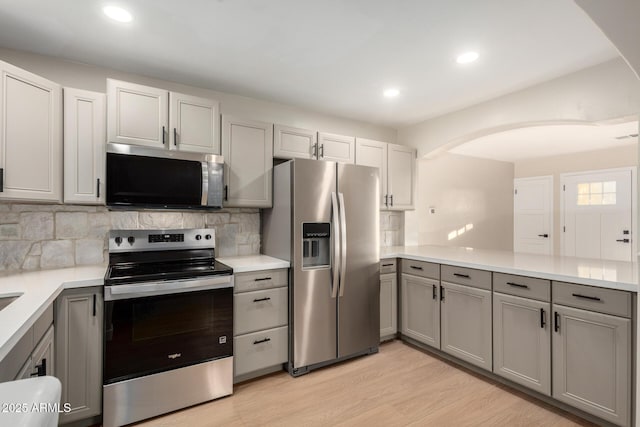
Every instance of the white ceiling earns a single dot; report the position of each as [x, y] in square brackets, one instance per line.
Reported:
[543, 141]
[333, 56]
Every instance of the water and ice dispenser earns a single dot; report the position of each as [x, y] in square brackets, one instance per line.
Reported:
[316, 245]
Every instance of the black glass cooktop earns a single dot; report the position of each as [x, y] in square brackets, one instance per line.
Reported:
[127, 273]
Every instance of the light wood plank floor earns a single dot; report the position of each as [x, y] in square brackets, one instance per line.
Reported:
[400, 386]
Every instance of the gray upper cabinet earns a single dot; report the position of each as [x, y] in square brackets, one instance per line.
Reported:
[592, 363]
[194, 123]
[336, 148]
[30, 136]
[84, 141]
[137, 114]
[466, 323]
[401, 181]
[522, 341]
[248, 157]
[291, 143]
[420, 309]
[374, 153]
[78, 339]
[154, 117]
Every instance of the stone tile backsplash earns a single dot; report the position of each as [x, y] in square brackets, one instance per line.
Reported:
[391, 228]
[42, 236]
[39, 236]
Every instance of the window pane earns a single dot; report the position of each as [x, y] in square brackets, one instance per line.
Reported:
[583, 199]
[610, 187]
[583, 188]
[596, 187]
[596, 199]
[609, 199]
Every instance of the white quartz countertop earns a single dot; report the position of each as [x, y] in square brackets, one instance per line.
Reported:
[246, 263]
[606, 274]
[37, 290]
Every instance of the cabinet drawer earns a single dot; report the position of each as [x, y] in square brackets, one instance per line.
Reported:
[522, 286]
[260, 350]
[421, 268]
[467, 276]
[609, 301]
[257, 280]
[257, 310]
[388, 266]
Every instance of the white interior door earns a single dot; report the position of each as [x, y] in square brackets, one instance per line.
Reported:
[598, 209]
[533, 215]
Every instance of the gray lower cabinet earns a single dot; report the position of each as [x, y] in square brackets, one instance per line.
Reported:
[388, 305]
[260, 322]
[466, 323]
[592, 362]
[78, 338]
[522, 341]
[420, 309]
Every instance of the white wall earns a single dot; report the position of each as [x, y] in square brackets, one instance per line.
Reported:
[88, 77]
[578, 162]
[463, 190]
[604, 92]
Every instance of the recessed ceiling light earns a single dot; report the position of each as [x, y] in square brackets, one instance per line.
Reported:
[391, 93]
[467, 57]
[117, 14]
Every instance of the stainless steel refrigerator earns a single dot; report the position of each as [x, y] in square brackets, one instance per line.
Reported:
[324, 221]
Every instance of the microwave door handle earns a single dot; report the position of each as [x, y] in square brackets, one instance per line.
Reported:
[343, 243]
[336, 245]
[205, 184]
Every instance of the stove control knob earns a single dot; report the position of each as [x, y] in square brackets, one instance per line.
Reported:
[118, 240]
[198, 237]
[131, 239]
[208, 237]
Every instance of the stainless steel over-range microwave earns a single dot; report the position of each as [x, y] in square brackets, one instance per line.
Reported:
[162, 179]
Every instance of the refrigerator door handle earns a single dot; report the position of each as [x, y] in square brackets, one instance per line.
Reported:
[343, 244]
[336, 245]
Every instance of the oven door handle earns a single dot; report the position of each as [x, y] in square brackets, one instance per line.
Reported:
[142, 290]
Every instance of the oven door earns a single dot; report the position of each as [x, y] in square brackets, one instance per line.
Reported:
[148, 332]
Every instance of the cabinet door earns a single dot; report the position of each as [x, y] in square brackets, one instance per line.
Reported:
[194, 124]
[137, 114]
[420, 306]
[79, 351]
[25, 371]
[337, 148]
[522, 341]
[374, 153]
[592, 363]
[42, 358]
[388, 305]
[290, 143]
[84, 140]
[466, 324]
[247, 149]
[401, 172]
[30, 136]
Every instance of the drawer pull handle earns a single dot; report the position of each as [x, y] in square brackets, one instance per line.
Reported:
[543, 318]
[262, 341]
[441, 293]
[435, 293]
[556, 318]
[261, 279]
[387, 265]
[466, 276]
[517, 285]
[587, 297]
[262, 299]
[415, 267]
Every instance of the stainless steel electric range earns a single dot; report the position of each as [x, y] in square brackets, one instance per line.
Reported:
[168, 326]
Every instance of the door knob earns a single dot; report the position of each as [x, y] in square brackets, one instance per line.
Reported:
[543, 235]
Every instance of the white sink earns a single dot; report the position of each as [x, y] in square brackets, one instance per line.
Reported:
[5, 300]
[33, 402]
